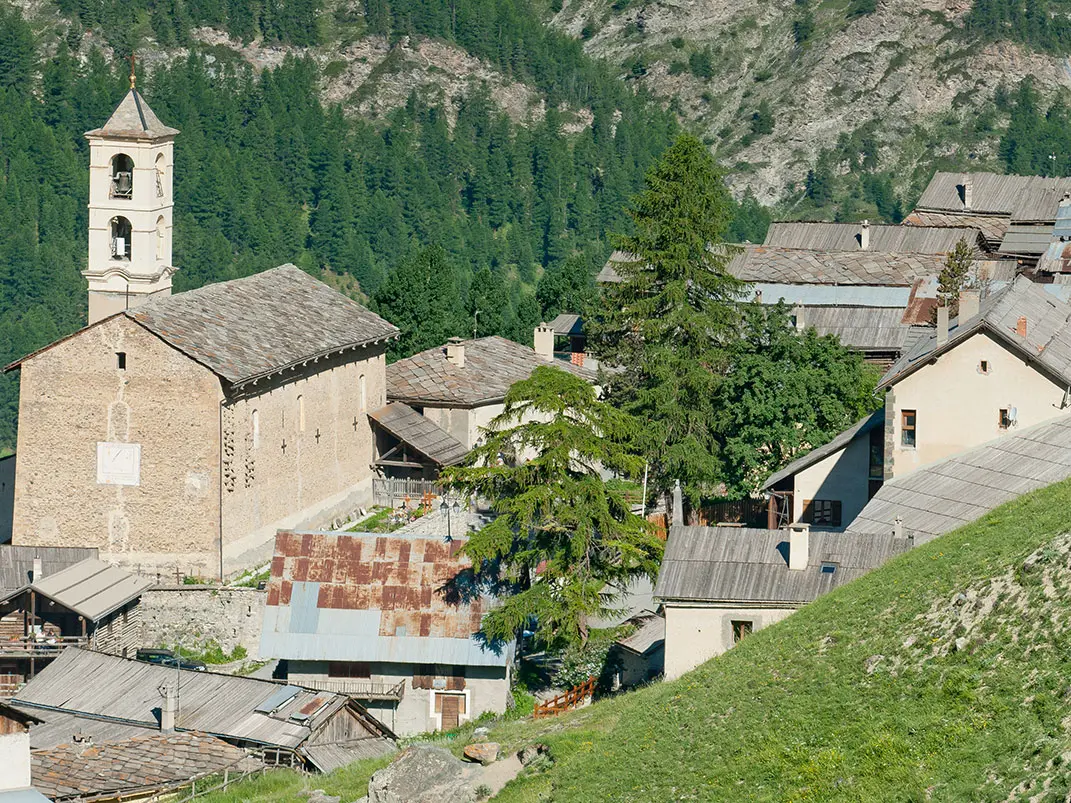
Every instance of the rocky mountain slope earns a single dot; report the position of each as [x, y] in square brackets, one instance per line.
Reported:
[812, 71]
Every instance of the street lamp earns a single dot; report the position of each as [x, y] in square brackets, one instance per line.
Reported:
[448, 505]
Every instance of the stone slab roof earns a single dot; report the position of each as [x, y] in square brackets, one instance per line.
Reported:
[373, 597]
[1022, 198]
[492, 365]
[250, 328]
[141, 764]
[1047, 343]
[822, 236]
[426, 437]
[133, 119]
[747, 565]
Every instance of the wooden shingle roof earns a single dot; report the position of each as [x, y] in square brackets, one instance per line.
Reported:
[1022, 198]
[410, 427]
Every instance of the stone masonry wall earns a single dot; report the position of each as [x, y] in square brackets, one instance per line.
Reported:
[193, 615]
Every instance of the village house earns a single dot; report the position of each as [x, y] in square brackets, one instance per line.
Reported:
[182, 431]
[719, 584]
[91, 604]
[1002, 364]
[640, 656]
[15, 770]
[461, 386]
[107, 699]
[375, 617]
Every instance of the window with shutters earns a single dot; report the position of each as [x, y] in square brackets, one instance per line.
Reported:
[424, 676]
[907, 428]
[822, 512]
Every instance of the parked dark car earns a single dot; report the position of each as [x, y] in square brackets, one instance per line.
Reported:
[169, 658]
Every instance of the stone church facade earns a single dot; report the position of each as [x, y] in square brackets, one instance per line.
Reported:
[180, 432]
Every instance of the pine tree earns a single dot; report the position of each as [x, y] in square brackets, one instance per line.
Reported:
[953, 277]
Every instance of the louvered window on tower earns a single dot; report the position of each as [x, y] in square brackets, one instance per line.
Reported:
[122, 176]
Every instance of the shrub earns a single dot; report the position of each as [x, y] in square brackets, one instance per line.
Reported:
[700, 64]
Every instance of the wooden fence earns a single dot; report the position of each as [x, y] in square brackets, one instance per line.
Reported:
[571, 699]
[389, 491]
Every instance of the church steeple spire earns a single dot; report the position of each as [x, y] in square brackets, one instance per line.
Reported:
[130, 207]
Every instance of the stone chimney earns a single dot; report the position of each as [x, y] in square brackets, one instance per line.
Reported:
[678, 505]
[968, 191]
[969, 304]
[543, 342]
[864, 236]
[1020, 326]
[800, 317]
[38, 571]
[942, 325]
[799, 540]
[168, 710]
[455, 351]
[898, 527]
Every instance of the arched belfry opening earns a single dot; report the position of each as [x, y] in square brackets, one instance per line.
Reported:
[161, 238]
[161, 175]
[120, 231]
[122, 176]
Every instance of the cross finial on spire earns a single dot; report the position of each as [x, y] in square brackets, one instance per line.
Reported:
[133, 76]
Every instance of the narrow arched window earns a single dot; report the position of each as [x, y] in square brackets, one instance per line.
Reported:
[122, 176]
[364, 393]
[161, 235]
[301, 413]
[256, 428]
[121, 232]
[161, 175]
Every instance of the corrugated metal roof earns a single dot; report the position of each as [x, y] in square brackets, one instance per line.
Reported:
[127, 691]
[92, 588]
[820, 453]
[828, 295]
[1057, 257]
[1022, 198]
[23, 796]
[942, 496]
[1026, 240]
[822, 236]
[60, 727]
[861, 328]
[1048, 333]
[747, 565]
[16, 562]
[381, 598]
[426, 437]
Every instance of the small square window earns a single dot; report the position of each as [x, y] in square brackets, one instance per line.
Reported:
[983, 367]
[907, 428]
[120, 360]
[742, 628]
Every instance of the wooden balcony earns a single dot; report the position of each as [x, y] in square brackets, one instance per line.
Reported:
[39, 646]
[360, 689]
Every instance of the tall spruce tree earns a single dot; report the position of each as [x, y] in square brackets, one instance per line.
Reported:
[670, 320]
[541, 466]
[953, 277]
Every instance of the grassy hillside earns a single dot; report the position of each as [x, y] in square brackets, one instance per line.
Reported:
[942, 676]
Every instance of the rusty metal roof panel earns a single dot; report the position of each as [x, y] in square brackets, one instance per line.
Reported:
[378, 598]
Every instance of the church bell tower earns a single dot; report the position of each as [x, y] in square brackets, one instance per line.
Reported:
[130, 208]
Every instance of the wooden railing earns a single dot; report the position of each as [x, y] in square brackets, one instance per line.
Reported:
[39, 646]
[386, 491]
[360, 689]
[571, 699]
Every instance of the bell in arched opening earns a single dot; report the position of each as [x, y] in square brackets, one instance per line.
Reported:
[122, 176]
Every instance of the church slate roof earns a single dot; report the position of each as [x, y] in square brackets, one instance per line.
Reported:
[492, 365]
[133, 119]
[249, 328]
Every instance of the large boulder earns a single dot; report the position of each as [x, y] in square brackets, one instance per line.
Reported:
[424, 774]
[483, 752]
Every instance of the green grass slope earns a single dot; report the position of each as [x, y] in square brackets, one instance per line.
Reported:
[945, 675]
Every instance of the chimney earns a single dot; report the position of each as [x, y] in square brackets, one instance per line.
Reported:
[942, 325]
[898, 527]
[1020, 326]
[169, 709]
[798, 315]
[38, 571]
[455, 351]
[678, 505]
[864, 236]
[543, 342]
[968, 191]
[799, 537]
[969, 304]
